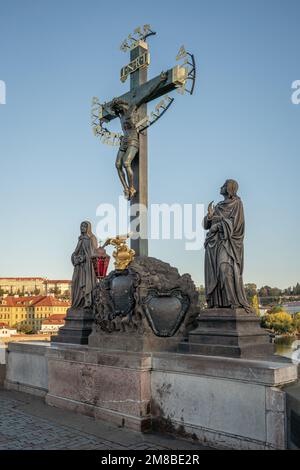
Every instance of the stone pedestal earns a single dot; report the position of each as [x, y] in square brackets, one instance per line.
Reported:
[112, 386]
[229, 332]
[77, 328]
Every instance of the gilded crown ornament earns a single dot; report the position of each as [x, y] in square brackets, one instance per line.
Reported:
[123, 255]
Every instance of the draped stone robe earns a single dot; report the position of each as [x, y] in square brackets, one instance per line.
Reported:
[84, 277]
[224, 256]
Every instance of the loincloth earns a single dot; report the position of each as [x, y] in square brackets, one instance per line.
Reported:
[128, 142]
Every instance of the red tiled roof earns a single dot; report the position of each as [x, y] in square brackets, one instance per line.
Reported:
[12, 301]
[34, 300]
[54, 320]
[51, 302]
[4, 325]
[59, 316]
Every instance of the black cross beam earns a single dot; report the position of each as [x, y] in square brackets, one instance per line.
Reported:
[140, 87]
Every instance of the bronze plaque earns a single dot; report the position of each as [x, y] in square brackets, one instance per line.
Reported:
[122, 293]
[165, 311]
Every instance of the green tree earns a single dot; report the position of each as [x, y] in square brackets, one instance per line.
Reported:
[55, 290]
[275, 292]
[67, 295]
[264, 291]
[251, 290]
[296, 290]
[27, 329]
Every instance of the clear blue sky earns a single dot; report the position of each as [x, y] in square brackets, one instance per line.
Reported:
[240, 123]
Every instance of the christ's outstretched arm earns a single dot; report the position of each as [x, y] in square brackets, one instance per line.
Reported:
[162, 78]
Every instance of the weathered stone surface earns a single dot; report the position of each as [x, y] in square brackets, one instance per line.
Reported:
[275, 400]
[160, 309]
[213, 404]
[269, 373]
[276, 429]
[229, 332]
[27, 367]
[108, 386]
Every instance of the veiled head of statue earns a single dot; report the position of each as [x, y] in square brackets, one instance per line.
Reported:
[86, 228]
[230, 188]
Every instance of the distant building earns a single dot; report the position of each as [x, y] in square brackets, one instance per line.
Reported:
[31, 310]
[291, 307]
[57, 286]
[33, 286]
[13, 285]
[52, 324]
[6, 331]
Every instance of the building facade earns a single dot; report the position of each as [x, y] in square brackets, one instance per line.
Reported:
[30, 311]
[52, 324]
[6, 332]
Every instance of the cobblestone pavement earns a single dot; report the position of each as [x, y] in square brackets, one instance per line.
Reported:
[26, 422]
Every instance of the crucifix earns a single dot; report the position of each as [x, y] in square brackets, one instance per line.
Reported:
[131, 109]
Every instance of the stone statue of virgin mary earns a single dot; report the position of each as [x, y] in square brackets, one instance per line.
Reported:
[84, 277]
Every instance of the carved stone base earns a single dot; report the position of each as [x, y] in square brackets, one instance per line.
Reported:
[111, 386]
[229, 332]
[147, 307]
[77, 328]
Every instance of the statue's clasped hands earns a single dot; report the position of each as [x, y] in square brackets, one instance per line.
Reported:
[79, 259]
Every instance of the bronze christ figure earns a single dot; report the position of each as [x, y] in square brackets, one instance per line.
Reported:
[128, 112]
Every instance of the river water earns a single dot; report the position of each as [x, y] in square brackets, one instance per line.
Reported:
[288, 347]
